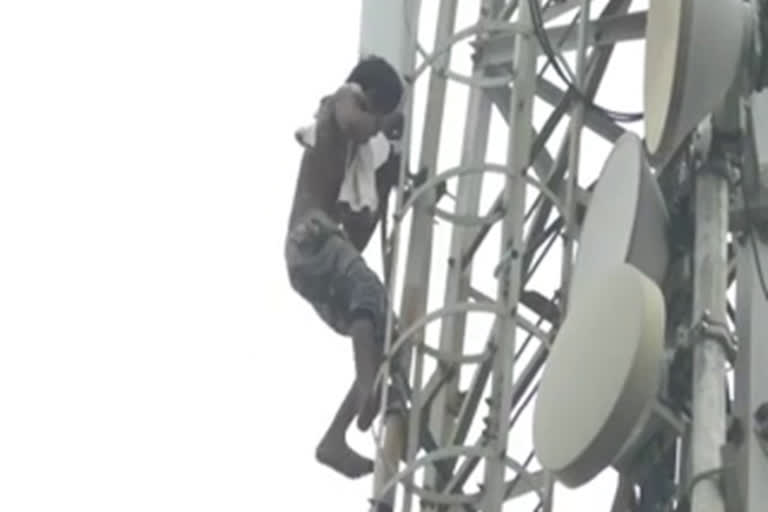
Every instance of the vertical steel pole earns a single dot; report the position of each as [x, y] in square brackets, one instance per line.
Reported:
[709, 301]
[577, 123]
[518, 154]
[474, 149]
[710, 285]
[417, 272]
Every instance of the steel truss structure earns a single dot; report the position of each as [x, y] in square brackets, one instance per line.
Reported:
[438, 435]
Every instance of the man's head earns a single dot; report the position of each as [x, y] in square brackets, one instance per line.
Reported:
[380, 83]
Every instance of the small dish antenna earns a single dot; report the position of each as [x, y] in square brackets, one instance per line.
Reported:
[603, 376]
[626, 220]
[696, 50]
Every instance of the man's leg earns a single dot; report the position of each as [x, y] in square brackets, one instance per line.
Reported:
[333, 450]
[316, 260]
[368, 357]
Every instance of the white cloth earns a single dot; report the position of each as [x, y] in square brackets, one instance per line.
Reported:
[358, 189]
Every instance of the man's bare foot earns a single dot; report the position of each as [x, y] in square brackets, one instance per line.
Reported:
[340, 457]
[368, 407]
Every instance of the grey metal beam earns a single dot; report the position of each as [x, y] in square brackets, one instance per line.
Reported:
[471, 401]
[452, 329]
[593, 119]
[528, 299]
[524, 323]
[523, 392]
[574, 159]
[523, 486]
[558, 8]
[751, 379]
[597, 65]
[499, 49]
[624, 496]
[709, 297]
[543, 166]
[473, 394]
[553, 10]
[417, 272]
[543, 161]
[518, 155]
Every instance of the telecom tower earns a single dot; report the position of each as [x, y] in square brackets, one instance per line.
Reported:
[652, 357]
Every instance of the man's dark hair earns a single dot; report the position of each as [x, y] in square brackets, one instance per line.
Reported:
[380, 81]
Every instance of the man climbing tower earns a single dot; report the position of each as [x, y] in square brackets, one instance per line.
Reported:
[346, 173]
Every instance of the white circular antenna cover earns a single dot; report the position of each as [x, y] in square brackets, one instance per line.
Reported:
[694, 51]
[601, 377]
[662, 47]
[626, 220]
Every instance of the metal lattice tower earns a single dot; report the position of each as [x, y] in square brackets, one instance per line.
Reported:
[456, 446]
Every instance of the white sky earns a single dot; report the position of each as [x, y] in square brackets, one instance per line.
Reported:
[152, 354]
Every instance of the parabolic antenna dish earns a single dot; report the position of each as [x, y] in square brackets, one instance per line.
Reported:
[626, 220]
[693, 53]
[602, 375]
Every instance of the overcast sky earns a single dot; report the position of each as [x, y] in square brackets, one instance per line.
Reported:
[152, 354]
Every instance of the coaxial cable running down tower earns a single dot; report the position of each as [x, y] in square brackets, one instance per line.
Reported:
[587, 322]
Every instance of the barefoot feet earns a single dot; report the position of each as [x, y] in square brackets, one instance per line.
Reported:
[338, 456]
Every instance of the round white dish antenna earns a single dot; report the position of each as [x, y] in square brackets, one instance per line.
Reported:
[602, 377]
[694, 52]
[626, 220]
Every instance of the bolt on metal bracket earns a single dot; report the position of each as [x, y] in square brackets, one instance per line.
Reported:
[708, 329]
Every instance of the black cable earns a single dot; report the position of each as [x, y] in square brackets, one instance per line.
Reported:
[541, 35]
[544, 41]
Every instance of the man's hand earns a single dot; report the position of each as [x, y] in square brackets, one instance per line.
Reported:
[353, 117]
[392, 125]
[360, 124]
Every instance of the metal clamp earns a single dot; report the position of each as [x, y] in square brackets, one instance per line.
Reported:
[715, 153]
[701, 142]
[761, 426]
[509, 254]
[708, 329]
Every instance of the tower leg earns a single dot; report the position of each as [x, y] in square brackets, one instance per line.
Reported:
[520, 138]
[751, 379]
[709, 301]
